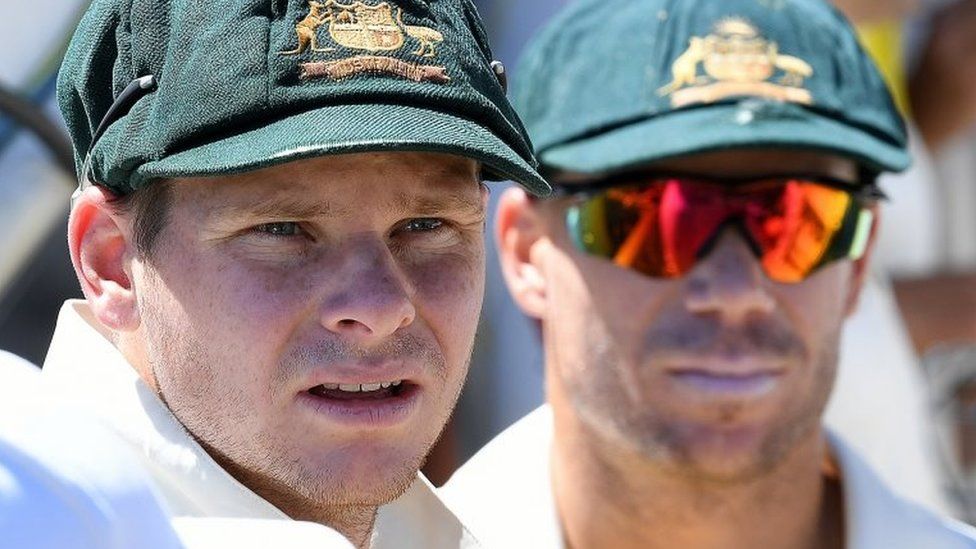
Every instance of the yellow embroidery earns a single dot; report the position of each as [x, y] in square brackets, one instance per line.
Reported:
[737, 60]
[307, 30]
[344, 68]
[360, 26]
[428, 37]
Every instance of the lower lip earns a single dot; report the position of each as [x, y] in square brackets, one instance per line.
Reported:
[718, 385]
[365, 413]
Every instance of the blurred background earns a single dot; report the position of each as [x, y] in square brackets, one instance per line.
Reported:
[36, 174]
[906, 394]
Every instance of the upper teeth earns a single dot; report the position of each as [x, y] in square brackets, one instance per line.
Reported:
[360, 387]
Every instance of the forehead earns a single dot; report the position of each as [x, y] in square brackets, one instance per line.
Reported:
[736, 163]
[339, 184]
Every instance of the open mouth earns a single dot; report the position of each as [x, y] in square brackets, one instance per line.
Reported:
[364, 405]
[362, 391]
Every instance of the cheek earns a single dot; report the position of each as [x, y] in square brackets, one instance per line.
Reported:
[448, 295]
[596, 304]
[236, 317]
[571, 312]
[582, 323]
[817, 306]
[593, 301]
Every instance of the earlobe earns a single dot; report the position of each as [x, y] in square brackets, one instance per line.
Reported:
[861, 268]
[100, 254]
[518, 230]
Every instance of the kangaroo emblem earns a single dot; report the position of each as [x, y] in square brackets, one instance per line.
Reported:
[796, 70]
[428, 37]
[684, 71]
[306, 30]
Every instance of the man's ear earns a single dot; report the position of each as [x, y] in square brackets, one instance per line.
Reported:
[862, 267]
[101, 254]
[519, 228]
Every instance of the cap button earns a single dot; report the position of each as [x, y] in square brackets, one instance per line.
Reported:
[499, 69]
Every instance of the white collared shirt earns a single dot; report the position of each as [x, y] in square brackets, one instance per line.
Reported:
[503, 494]
[53, 496]
[84, 369]
[18, 378]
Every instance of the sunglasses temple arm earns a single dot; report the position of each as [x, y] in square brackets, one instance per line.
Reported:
[862, 234]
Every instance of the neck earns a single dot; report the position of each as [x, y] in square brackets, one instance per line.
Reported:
[608, 496]
[353, 522]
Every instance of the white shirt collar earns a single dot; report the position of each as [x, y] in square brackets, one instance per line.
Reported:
[85, 369]
[88, 371]
[503, 494]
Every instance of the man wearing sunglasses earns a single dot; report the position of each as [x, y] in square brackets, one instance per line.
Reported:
[714, 165]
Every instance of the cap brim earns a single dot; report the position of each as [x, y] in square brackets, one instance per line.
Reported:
[343, 129]
[718, 127]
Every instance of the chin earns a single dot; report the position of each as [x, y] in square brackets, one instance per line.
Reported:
[705, 450]
[361, 491]
[730, 453]
[729, 467]
[360, 474]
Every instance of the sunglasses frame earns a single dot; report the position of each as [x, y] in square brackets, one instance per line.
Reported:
[864, 192]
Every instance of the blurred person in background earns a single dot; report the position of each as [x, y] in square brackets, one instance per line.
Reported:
[688, 364]
[888, 417]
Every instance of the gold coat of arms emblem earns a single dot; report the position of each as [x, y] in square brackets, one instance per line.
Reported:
[371, 28]
[736, 60]
[359, 26]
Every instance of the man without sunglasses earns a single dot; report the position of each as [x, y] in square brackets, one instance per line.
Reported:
[280, 242]
[714, 209]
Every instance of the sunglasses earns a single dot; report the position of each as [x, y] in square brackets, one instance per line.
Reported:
[661, 225]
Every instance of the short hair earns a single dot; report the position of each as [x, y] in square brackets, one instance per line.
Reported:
[149, 208]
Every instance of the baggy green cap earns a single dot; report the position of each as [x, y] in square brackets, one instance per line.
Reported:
[613, 84]
[239, 85]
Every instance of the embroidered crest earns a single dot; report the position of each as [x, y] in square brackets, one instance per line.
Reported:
[344, 68]
[736, 60]
[362, 27]
[428, 37]
[307, 30]
[370, 28]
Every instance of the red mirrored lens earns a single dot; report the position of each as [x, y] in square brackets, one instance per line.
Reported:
[660, 229]
[796, 231]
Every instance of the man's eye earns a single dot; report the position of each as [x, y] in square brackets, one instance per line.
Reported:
[282, 229]
[425, 233]
[423, 225]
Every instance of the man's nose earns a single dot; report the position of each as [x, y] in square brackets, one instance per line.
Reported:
[729, 281]
[370, 297]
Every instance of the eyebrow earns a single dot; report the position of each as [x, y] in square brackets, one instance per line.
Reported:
[291, 207]
[280, 206]
[439, 204]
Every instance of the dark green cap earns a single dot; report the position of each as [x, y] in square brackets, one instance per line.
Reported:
[239, 85]
[613, 84]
